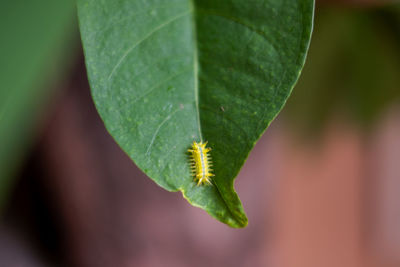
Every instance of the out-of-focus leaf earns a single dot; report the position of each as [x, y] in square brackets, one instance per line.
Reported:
[353, 67]
[33, 39]
[166, 73]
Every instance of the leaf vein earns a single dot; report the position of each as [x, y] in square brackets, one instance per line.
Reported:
[156, 29]
[160, 83]
[158, 130]
[242, 23]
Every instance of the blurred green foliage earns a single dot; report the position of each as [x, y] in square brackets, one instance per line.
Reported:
[35, 36]
[353, 68]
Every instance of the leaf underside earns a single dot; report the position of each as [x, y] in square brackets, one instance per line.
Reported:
[166, 73]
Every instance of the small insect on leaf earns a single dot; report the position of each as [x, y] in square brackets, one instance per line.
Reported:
[200, 163]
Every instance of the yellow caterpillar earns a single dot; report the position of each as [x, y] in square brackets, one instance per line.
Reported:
[201, 163]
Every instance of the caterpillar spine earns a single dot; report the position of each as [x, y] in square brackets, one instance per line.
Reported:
[200, 163]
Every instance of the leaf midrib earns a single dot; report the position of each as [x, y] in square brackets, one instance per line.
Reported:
[196, 91]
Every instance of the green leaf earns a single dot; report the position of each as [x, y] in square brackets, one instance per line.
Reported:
[34, 37]
[166, 73]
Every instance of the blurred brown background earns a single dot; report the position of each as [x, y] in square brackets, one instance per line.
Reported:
[321, 188]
